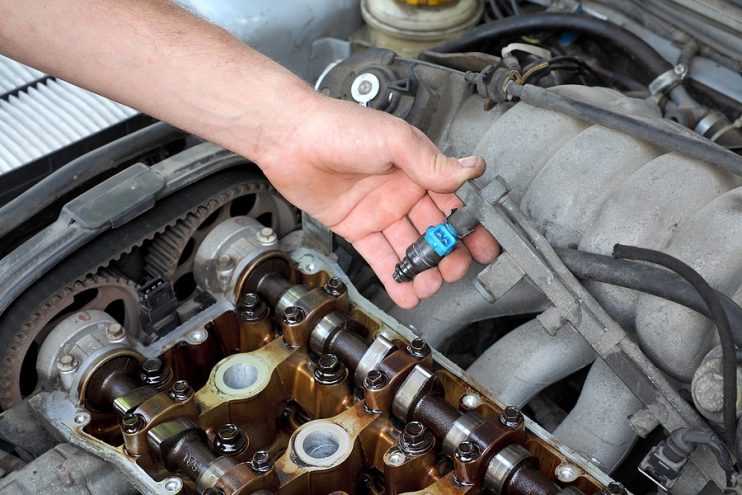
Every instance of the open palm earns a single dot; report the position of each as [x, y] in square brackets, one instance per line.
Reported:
[379, 183]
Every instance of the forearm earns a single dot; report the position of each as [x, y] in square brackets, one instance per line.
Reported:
[159, 59]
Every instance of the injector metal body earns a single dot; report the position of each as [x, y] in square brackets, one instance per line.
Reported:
[437, 242]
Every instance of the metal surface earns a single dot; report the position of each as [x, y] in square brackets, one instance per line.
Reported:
[409, 390]
[503, 464]
[461, 430]
[67, 470]
[260, 23]
[375, 354]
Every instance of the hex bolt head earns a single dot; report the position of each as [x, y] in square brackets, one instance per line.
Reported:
[230, 440]
[261, 462]
[132, 423]
[329, 369]
[154, 372]
[415, 438]
[614, 488]
[511, 417]
[418, 348]
[251, 307]
[467, 451]
[375, 380]
[67, 363]
[335, 287]
[180, 391]
[293, 315]
[266, 236]
[115, 332]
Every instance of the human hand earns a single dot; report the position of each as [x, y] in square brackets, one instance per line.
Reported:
[379, 183]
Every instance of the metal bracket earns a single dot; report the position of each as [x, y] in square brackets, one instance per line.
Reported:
[502, 217]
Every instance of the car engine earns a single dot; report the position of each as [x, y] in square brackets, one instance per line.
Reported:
[169, 323]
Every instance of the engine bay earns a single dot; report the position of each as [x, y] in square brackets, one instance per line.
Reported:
[177, 326]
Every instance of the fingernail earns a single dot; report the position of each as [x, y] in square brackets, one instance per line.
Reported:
[469, 161]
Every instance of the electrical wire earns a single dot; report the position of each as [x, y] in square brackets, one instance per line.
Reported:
[718, 316]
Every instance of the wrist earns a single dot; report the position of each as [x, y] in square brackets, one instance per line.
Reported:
[270, 125]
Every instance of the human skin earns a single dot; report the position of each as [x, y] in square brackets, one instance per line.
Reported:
[369, 176]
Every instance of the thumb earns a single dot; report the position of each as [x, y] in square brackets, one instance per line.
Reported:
[424, 163]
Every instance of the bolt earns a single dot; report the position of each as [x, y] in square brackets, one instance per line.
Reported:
[395, 458]
[467, 451]
[266, 236]
[224, 263]
[415, 438]
[614, 488]
[293, 315]
[173, 485]
[335, 287]
[365, 88]
[679, 69]
[418, 348]
[567, 473]
[470, 401]
[251, 307]
[132, 423]
[511, 417]
[180, 391]
[375, 380]
[329, 369]
[230, 440]
[261, 462]
[154, 372]
[66, 363]
[115, 332]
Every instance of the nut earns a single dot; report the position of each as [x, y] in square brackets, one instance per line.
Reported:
[251, 307]
[511, 417]
[335, 287]
[329, 369]
[180, 391]
[115, 332]
[261, 462]
[415, 438]
[467, 451]
[132, 423]
[293, 315]
[67, 363]
[418, 348]
[154, 373]
[230, 440]
[375, 380]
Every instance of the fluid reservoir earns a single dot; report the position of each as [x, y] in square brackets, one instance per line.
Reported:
[410, 26]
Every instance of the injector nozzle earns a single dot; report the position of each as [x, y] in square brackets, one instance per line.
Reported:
[437, 241]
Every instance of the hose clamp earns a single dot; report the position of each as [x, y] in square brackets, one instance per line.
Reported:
[663, 83]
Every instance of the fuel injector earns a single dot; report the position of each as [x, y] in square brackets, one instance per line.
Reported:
[437, 242]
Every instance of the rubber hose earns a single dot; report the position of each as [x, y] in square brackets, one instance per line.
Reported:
[81, 169]
[650, 280]
[719, 317]
[560, 22]
[695, 147]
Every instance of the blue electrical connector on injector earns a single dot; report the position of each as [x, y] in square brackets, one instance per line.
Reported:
[436, 243]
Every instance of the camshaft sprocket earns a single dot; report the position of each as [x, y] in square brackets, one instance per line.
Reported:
[171, 253]
[103, 290]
